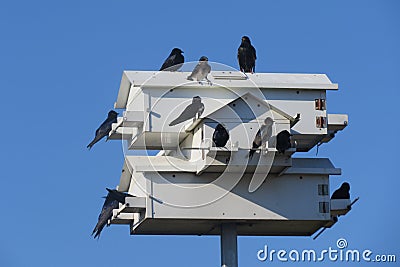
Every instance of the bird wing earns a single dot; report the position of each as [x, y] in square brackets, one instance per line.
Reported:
[105, 215]
[253, 52]
[241, 57]
[200, 109]
[118, 196]
[257, 139]
[196, 70]
[102, 131]
[168, 62]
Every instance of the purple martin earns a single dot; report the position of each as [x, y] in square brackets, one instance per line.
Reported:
[343, 192]
[220, 136]
[283, 141]
[112, 201]
[247, 56]
[262, 136]
[117, 195]
[174, 61]
[190, 112]
[201, 70]
[104, 128]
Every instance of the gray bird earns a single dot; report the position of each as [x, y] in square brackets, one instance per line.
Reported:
[112, 202]
[220, 136]
[283, 141]
[247, 56]
[262, 136]
[190, 112]
[343, 192]
[174, 61]
[104, 128]
[201, 71]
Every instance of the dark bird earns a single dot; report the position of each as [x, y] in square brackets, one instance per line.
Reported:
[262, 136]
[247, 56]
[220, 136]
[174, 61]
[283, 141]
[201, 70]
[343, 192]
[104, 128]
[118, 196]
[112, 202]
[195, 108]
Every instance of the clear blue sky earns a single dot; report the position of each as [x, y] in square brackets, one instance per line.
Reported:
[60, 67]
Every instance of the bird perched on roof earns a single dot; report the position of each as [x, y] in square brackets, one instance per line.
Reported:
[174, 61]
[201, 70]
[283, 141]
[112, 202]
[247, 56]
[104, 128]
[262, 136]
[220, 136]
[190, 112]
[343, 192]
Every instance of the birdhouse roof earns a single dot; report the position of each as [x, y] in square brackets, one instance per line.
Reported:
[278, 114]
[229, 79]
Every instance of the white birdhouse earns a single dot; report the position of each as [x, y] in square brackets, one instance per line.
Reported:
[191, 186]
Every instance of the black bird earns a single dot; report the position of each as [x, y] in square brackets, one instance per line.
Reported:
[195, 108]
[220, 136]
[283, 141]
[104, 128]
[201, 70]
[118, 196]
[174, 61]
[343, 192]
[112, 202]
[262, 135]
[247, 56]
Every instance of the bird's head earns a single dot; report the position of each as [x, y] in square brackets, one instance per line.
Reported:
[203, 58]
[220, 126]
[112, 113]
[196, 99]
[268, 121]
[246, 39]
[176, 51]
[345, 186]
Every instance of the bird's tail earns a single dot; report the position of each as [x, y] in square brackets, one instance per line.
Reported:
[174, 122]
[190, 78]
[89, 146]
[95, 140]
[96, 232]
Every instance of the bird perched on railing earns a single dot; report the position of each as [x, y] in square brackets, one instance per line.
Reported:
[112, 201]
[220, 136]
[104, 128]
[343, 192]
[247, 56]
[262, 136]
[201, 71]
[174, 61]
[190, 112]
[283, 141]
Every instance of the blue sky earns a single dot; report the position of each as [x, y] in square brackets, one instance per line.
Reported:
[60, 67]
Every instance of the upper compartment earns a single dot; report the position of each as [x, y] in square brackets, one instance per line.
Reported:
[147, 95]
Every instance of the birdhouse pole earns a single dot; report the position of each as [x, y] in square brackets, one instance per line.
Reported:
[229, 252]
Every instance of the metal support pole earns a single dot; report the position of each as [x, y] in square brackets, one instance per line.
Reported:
[229, 253]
